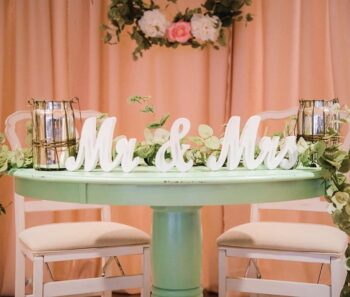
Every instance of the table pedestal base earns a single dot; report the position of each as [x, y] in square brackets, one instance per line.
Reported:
[176, 252]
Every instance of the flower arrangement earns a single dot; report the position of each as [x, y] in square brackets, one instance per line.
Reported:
[197, 27]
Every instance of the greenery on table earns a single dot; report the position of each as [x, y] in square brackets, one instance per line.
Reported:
[20, 158]
[195, 27]
[326, 154]
[335, 164]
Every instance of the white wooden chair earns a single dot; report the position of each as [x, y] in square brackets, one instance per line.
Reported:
[73, 241]
[313, 243]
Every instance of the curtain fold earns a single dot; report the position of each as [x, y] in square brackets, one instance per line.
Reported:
[54, 49]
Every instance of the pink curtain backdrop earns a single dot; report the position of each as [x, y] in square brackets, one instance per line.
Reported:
[53, 49]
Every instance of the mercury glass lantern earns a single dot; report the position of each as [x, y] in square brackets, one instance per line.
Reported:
[54, 133]
[315, 117]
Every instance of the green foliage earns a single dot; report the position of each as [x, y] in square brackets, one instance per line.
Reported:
[148, 109]
[160, 123]
[206, 144]
[228, 10]
[20, 158]
[123, 13]
[335, 164]
[138, 99]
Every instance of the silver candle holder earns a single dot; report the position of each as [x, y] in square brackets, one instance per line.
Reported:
[315, 117]
[54, 136]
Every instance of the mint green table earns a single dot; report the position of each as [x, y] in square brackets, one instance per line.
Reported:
[176, 199]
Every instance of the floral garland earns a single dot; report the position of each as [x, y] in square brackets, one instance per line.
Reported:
[198, 27]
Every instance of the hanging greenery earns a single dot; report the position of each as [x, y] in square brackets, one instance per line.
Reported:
[195, 27]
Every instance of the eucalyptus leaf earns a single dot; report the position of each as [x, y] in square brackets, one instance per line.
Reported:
[205, 131]
[212, 142]
[345, 166]
[196, 139]
[3, 166]
[164, 119]
[138, 99]
[160, 123]
[320, 148]
[143, 151]
[154, 125]
[148, 109]
[325, 173]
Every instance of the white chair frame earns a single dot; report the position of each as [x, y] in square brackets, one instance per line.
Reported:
[252, 282]
[102, 285]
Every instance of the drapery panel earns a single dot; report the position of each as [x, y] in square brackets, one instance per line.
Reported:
[53, 49]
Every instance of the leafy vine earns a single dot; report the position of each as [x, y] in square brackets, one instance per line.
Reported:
[197, 27]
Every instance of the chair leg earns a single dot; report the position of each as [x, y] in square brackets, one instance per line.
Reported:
[146, 289]
[20, 273]
[222, 272]
[105, 261]
[38, 276]
[253, 272]
[338, 275]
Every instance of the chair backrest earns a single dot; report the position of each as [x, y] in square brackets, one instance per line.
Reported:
[25, 115]
[310, 205]
[23, 206]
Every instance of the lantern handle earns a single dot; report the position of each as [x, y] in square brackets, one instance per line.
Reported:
[75, 100]
[31, 102]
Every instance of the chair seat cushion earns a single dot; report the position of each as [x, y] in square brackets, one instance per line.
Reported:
[81, 235]
[286, 237]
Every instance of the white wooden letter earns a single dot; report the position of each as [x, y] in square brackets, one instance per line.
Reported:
[235, 146]
[94, 149]
[177, 150]
[289, 148]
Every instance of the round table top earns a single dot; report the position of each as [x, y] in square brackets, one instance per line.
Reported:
[147, 186]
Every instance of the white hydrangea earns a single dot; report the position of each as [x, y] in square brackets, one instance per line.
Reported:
[205, 27]
[153, 23]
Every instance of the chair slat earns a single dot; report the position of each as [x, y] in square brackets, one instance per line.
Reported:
[313, 205]
[44, 205]
[276, 287]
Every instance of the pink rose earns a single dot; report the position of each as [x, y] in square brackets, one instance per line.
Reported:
[180, 32]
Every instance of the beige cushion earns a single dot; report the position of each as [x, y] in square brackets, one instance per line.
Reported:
[81, 235]
[286, 237]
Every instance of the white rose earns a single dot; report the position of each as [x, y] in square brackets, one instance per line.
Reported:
[153, 23]
[340, 199]
[205, 27]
